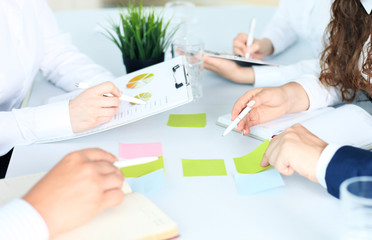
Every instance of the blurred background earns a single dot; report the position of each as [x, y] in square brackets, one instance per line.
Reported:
[65, 5]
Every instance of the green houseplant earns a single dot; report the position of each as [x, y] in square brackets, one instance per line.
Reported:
[142, 36]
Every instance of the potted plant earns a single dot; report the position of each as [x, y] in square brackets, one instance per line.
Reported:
[142, 36]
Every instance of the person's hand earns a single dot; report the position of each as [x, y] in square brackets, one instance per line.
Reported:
[78, 188]
[229, 70]
[259, 49]
[295, 150]
[270, 103]
[92, 108]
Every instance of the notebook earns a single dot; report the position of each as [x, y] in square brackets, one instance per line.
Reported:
[238, 59]
[346, 125]
[163, 86]
[135, 218]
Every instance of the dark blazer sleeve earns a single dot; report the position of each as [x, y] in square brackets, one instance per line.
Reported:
[346, 163]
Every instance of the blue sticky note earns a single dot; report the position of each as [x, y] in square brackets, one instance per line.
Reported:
[249, 184]
[147, 183]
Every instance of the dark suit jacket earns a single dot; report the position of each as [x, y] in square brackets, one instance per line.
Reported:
[346, 163]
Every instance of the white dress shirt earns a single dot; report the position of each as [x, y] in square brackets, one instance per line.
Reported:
[294, 20]
[31, 41]
[20, 221]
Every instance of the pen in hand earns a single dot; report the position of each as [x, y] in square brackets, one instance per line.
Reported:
[245, 111]
[250, 35]
[85, 85]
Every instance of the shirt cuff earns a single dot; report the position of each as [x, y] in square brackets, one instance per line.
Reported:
[324, 159]
[266, 76]
[316, 92]
[44, 122]
[19, 220]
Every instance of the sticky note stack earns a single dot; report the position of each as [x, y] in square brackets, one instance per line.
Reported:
[143, 166]
[251, 177]
[139, 159]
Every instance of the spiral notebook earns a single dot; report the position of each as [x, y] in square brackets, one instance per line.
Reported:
[163, 86]
[346, 125]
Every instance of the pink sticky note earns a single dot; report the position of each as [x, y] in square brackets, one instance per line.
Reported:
[140, 150]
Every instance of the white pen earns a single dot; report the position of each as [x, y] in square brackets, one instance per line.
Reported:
[250, 35]
[85, 85]
[245, 111]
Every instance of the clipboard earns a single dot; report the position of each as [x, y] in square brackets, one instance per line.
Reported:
[163, 86]
[242, 61]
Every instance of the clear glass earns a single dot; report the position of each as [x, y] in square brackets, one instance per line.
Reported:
[356, 198]
[193, 49]
[182, 14]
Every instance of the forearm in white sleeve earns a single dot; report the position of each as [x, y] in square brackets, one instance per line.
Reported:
[324, 159]
[278, 75]
[27, 125]
[19, 220]
[62, 63]
[279, 30]
[319, 95]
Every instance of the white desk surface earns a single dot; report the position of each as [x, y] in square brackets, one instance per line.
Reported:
[203, 207]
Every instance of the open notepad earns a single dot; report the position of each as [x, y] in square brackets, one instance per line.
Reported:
[135, 218]
[345, 125]
[163, 86]
[238, 59]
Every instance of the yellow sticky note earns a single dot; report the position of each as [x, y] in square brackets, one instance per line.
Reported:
[142, 169]
[250, 163]
[203, 167]
[187, 120]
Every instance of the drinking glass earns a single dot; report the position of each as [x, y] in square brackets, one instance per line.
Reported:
[193, 49]
[356, 198]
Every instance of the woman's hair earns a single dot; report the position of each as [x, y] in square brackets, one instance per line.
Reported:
[348, 31]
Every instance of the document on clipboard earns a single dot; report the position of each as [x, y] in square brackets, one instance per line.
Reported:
[163, 86]
[246, 62]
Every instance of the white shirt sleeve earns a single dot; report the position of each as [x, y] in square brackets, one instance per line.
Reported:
[62, 63]
[280, 30]
[319, 95]
[19, 220]
[27, 125]
[279, 75]
[324, 159]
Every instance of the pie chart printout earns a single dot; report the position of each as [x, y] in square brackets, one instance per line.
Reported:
[143, 96]
[140, 80]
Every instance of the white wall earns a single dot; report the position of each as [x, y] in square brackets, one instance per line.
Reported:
[61, 5]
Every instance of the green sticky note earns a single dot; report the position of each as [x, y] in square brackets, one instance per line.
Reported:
[142, 169]
[250, 163]
[203, 167]
[187, 120]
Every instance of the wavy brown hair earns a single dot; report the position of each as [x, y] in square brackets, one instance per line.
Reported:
[348, 31]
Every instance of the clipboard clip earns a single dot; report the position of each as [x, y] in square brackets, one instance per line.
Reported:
[185, 75]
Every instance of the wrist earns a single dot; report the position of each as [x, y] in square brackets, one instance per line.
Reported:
[296, 97]
[246, 75]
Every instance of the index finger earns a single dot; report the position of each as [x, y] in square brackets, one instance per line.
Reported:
[96, 154]
[242, 102]
[106, 87]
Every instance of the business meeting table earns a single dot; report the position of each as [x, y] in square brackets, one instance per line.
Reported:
[202, 207]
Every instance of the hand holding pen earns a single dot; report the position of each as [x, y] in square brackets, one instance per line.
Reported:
[94, 106]
[246, 45]
[85, 85]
